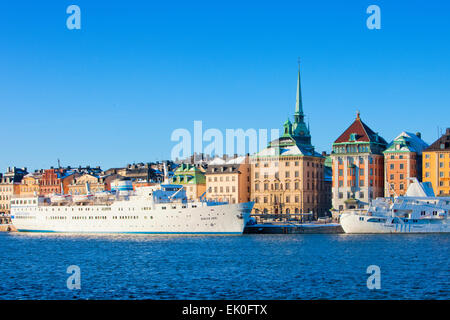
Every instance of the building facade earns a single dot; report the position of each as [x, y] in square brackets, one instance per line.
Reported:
[56, 181]
[30, 185]
[86, 184]
[358, 167]
[402, 160]
[436, 165]
[288, 176]
[192, 178]
[228, 181]
[9, 186]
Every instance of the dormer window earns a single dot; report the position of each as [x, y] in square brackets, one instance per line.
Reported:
[352, 137]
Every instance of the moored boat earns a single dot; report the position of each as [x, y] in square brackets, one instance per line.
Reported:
[419, 211]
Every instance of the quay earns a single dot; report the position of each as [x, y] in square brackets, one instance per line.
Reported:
[293, 228]
[5, 224]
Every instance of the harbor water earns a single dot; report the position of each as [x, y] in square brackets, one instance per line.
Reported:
[274, 266]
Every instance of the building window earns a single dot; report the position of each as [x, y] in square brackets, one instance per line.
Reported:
[391, 166]
[286, 174]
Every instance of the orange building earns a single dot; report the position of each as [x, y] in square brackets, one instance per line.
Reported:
[228, 180]
[436, 165]
[403, 160]
[358, 166]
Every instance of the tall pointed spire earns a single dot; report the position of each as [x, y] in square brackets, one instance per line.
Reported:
[298, 102]
[300, 130]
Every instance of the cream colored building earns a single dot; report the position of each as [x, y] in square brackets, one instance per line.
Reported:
[7, 189]
[288, 176]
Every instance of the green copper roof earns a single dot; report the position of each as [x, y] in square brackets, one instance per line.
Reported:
[188, 174]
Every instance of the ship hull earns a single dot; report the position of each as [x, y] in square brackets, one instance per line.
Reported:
[353, 223]
[175, 219]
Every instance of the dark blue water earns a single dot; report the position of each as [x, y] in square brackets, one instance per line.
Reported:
[33, 266]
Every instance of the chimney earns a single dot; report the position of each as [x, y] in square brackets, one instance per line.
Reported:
[447, 131]
[324, 153]
[419, 135]
[235, 155]
[224, 157]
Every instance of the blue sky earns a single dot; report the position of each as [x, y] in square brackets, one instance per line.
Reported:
[113, 92]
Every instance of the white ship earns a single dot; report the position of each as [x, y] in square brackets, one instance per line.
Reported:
[419, 211]
[159, 209]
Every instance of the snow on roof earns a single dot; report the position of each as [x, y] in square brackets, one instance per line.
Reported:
[412, 143]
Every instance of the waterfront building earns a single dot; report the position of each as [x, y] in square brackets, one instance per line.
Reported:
[9, 186]
[288, 176]
[436, 165]
[7, 189]
[402, 160]
[228, 180]
[56, 181]
[140, 172]
[30, 185]
[87, 183]
[358, 166]
[192, 178]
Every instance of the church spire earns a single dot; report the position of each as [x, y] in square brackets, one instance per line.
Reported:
[300, 130]
[298, 115]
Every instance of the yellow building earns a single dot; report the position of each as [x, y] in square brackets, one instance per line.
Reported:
[29, 186]
[80, 184]
[436, 165]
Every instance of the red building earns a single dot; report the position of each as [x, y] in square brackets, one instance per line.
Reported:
[358, 166]
[53, 179]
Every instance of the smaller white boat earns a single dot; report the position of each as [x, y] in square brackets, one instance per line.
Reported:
[419, 211]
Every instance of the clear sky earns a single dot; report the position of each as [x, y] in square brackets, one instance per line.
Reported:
[113, 92]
